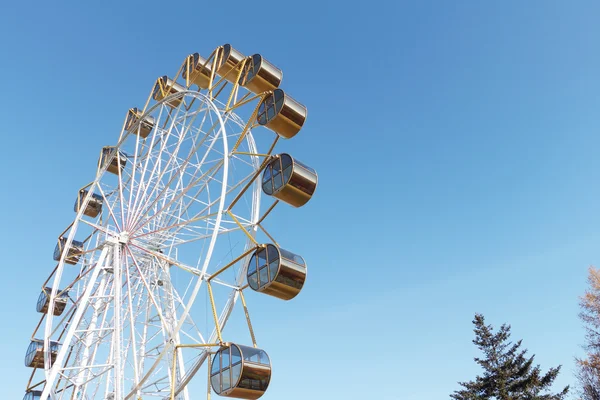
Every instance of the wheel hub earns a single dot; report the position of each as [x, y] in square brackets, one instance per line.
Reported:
[123, 237]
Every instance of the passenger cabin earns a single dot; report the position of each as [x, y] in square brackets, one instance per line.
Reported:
[60, 302]
[34, 357]
[73, 252]
[93, 207]
[114, 160]
[32, 395]
[197, 71]
[260, 75]
[229, 62]
[281, 114]
[240, 371]
[164, 87]
[289, 180]
[144, 127]
[276, 272]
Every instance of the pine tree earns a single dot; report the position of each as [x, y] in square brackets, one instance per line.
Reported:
[508, 373]
[589, 368]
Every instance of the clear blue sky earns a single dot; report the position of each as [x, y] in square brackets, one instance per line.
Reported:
[457, 150]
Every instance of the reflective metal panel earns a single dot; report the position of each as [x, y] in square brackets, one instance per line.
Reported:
[109, 155]
[229, 62]
[44, 302]
[164, 87]
[281, 114]
[260, 76]
[289, 180]
[144, 128]
[276, 272]
[73, 253]
[198, 73]
[34, 357]
[94, 206]
[240, 371]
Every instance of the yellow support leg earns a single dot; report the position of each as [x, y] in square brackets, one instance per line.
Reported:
[248, 319]
[214, 310]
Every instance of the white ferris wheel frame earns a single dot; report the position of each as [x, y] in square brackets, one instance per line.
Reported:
[110, 256]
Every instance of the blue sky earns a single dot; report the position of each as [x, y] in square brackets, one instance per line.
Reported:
[456, 145]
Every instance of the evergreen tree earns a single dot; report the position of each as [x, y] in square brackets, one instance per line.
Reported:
[508, 374]
[589, 368]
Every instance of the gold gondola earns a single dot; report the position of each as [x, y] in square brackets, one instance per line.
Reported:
[43, 302]
[289, 180]
[164, 87]
[260, 75]
[198, 73]
[114, 161]
[34, 358]
[229, 62]
[276, 272]
[94, 206]
[144, 128]
[33, 395]
[281, 114]
[240, 371]
[73, 252]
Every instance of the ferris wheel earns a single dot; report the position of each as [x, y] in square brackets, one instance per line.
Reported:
[169, 236]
